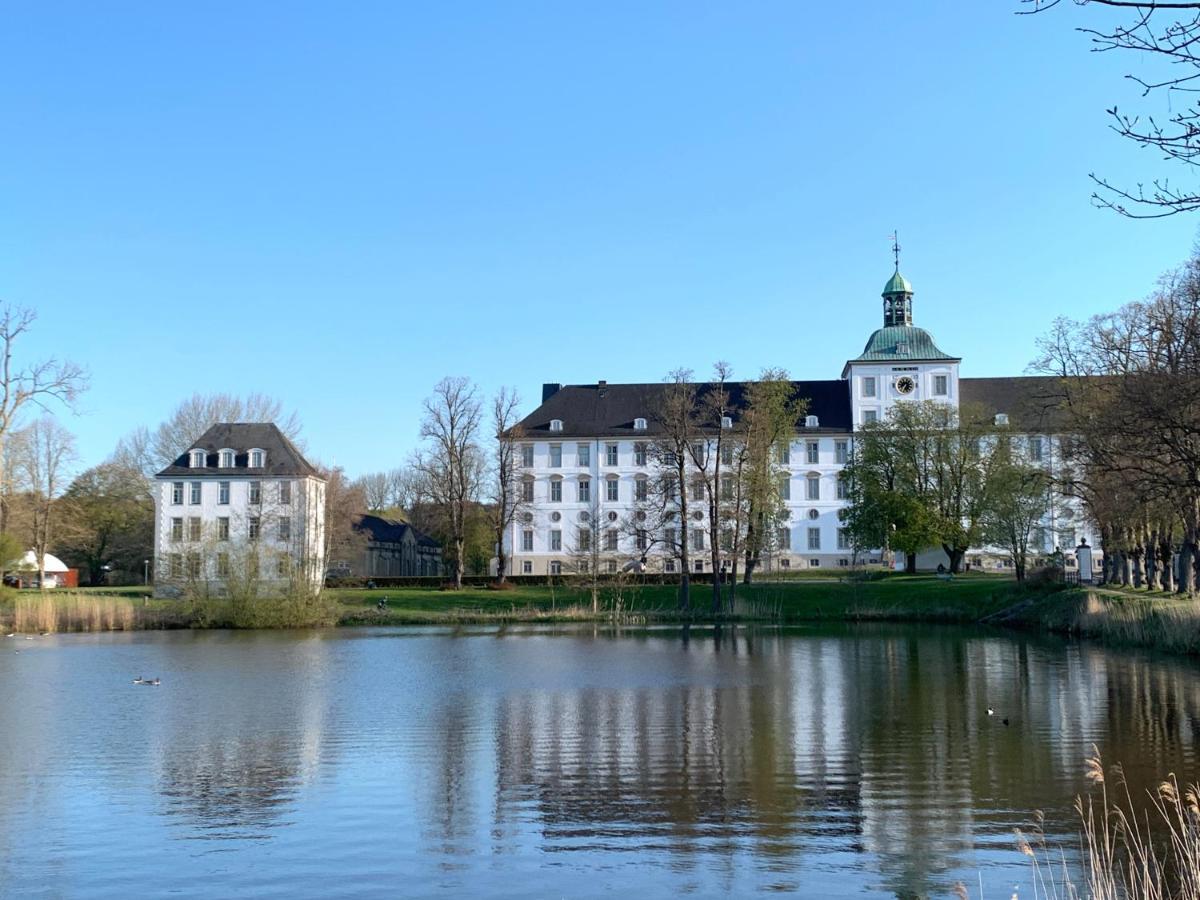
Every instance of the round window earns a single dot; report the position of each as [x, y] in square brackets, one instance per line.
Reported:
[813, 514]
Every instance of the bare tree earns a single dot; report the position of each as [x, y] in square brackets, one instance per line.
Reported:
[714, 419]
[38, 384]
[451, 462]
[152, 450]
[1167, 33]
[505, 501]
[42, 451]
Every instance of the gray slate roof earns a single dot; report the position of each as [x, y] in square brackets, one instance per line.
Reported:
[282, 456]
[390, 531]
[594, 410]
[1032, 402]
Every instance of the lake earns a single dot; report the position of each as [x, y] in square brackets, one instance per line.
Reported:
[562, 762]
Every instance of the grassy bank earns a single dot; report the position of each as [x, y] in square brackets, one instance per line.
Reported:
[1115, 617]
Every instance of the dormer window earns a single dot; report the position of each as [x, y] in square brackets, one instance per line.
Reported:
[726, 422]
[639, 424]
[811, 422]
[225, 459]
[1001, 418]
[556, 424]
[258, 459]
[197, 459]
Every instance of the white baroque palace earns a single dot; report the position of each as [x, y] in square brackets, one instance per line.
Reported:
[583, 452]
[240, 505]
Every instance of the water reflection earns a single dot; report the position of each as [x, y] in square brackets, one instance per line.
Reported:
[564, 762]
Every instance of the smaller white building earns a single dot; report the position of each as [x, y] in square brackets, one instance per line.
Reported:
[240, 508]
[55, 569]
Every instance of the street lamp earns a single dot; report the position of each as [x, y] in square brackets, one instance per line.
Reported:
[146, 572]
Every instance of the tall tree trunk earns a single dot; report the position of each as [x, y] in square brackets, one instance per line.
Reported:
[1166, 558]
[1135, 558]
[459, 564]
[956, 555]
[910, 563]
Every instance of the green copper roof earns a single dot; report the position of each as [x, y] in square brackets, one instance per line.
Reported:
[896, 342]
[897, 284]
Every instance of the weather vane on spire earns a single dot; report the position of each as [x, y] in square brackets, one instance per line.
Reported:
[896, 248]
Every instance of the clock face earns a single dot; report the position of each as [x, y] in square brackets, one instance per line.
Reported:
[905, 385]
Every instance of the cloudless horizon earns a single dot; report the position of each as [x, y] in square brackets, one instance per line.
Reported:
[337, 205]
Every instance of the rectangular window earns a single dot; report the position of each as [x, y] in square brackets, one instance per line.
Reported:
[281, 565]
[639, 454]
[611, 567]
[556, 456]
[783, 454]
[527, 455]
[612, 490]
[697, 539]
[177, 493]
[870, 416]
[285, 493]
[814, 539]
[843, 489]
[252, 565]
[697, 489]
[527, 490]
[527, 540]
[226, 459]
[222, 565]
[1035, 449]
[556, 490]
[843, 539]
[223, 528]
[555, 567]
[285, 528]
[527, 567]
[841, 452]
[256, 459]
[726, 489]
[813, 483]
[193, 564]
[640, 540]
[669, 565]
[726, 539]
[940, 385]
[698, 565]
[785, 489]
[611, 455]
[610, 539]
[223, 493]
[785, 563]
[814, 452]
[669, 488]
[641, 489]
[669, 538]
[726, 454]
[176, 561]
[814, 564]
[784, 538]
[584, 454]
[194, 495]
[193, 528]
[556, 540]
[254, 528]
[256, 492]
[584, 541]
[177, 529]
[868, 386]
[585, 490]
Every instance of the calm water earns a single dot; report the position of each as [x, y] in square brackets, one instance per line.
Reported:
[566, 763]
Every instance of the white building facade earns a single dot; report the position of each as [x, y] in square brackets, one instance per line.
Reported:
[240, 508]
[585, 452]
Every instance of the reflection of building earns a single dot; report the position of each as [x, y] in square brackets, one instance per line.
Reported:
[591, 445]
[241, 504]
[393, 548]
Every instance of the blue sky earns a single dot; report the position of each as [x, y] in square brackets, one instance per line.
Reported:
[337, 204]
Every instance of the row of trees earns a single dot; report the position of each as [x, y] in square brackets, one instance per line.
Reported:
[1128, 387]
[931, 476]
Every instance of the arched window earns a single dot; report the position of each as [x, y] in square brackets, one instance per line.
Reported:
[726, 422]
[811, 421]
[527, 489]
[197, 459]
[639, 424]
[785, 488]
[556, 424]
[258, 458]
[641, 488]
[813, 484]
[225, 458]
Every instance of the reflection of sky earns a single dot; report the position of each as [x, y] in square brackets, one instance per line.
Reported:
[572, 762]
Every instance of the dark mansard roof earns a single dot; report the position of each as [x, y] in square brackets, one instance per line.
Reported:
[1031, 402]
[282, 457]
[609, 410]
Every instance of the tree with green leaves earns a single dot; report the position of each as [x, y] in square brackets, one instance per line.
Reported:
[107, 523]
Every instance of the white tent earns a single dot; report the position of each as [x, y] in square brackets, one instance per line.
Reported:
[55, 567]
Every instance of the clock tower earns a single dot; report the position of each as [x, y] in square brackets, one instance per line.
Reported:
[900, 363]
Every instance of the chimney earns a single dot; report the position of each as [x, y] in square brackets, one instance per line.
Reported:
[602, 387]
[549, 389]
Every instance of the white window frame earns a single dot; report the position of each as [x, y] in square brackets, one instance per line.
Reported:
[197, 459]
[870, 386]
[257, 458]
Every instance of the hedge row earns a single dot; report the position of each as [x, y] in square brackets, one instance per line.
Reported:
[437, 581]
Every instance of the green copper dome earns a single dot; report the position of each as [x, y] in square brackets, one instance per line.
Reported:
[897, 284]
[901, 342]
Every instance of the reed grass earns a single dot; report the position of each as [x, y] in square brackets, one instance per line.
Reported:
[59, 611]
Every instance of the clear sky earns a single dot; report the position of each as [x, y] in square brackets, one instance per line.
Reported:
[339, 203]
